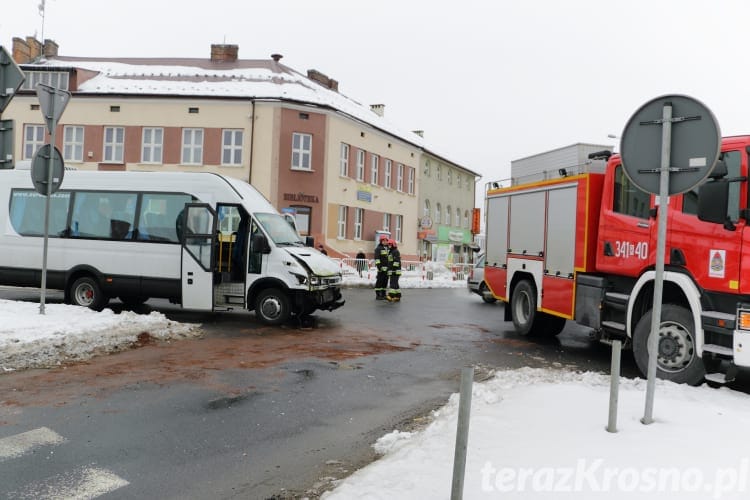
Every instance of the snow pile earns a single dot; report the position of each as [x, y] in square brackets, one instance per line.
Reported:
[70, 333]
[541, 434]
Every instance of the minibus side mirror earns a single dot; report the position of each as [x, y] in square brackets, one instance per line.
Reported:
[259, 244]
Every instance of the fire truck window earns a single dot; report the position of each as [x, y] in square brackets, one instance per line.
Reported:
[732, 160]
[628, 199]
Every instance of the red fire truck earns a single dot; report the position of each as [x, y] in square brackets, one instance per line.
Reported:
[582, 247]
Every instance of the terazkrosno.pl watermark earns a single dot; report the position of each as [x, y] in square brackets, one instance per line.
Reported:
[596, 476]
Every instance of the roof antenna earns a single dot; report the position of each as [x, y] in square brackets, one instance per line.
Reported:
[41, 7]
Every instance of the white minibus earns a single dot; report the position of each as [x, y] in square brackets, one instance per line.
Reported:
[202, 240]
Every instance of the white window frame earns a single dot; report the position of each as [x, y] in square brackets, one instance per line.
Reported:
[458, 217]
[439, 173]
[73, 146]
[374, 166]
[458, 181]
[192, 146]
[341, 222]
[360, 165]
[399, 227]
[410, 182]
[57, 79]
[388, 174]
[450, 176]
[466, 219]
[387, 222]
[400, 178]
[438, 213]
[33, 139]
[448, 215]
[152, 147]
[114, 146]
[359, 220]
[232, 141]
[427, 207]
[344, 160]
[301, 151]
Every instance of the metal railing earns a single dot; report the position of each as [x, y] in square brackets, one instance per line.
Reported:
[427, 270]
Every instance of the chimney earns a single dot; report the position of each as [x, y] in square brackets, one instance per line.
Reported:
[378, 109]
[50, 48]
[420, 133]
[320, 78]
[224, 52]
[21, 51]
[276, 57]
[35, 47]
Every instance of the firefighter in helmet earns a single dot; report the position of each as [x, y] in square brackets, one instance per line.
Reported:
[394, 271]
[381, 264]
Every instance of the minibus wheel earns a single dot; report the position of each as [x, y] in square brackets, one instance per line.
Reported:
[272, 306]
[86, 292]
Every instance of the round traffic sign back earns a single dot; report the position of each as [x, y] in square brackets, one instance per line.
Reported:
[694, 148]
[40, 169]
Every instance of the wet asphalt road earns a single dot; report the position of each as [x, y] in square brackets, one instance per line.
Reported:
[250, 411]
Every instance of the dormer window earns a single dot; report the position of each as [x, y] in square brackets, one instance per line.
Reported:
[56, 79]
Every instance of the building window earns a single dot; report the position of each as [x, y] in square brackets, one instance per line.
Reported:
[448, 215]
[439, 173]
[114, 144]
[360, 165]
[33, 139]
[73, 143]
[426, 208]
[344, 164]
[153, 145]
[427, 168]
[231, 147]
[301, 151]
[374, 164]
[438, 213]
[412, 172]
[458, 181]
[466, 219]
[56, 79]
[341, 224]
[458, 217]
[387, 222]
[450, 176]
[400, 178]
[388, 169]
[192, 146]
[359, 218]
[399, 227]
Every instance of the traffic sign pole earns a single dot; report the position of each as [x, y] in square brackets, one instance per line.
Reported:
[661, 245]
[46, 219]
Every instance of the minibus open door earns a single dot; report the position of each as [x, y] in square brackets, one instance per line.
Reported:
[198, 229]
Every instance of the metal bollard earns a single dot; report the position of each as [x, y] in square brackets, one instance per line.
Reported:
[462, 433]
[614, 385]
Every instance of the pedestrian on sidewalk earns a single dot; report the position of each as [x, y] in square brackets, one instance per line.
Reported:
[361, 261]
[394, 271]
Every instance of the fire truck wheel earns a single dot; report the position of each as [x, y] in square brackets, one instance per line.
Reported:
[526, 319]
[553, 325]
[677, 360]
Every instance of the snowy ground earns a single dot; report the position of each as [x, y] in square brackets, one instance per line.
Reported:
[541, 434]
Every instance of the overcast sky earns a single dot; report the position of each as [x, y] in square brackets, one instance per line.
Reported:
[489, 81]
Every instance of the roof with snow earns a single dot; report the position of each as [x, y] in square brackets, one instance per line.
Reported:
[238, 79]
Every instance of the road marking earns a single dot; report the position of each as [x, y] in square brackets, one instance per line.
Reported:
[82, 484]
[15, 446]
